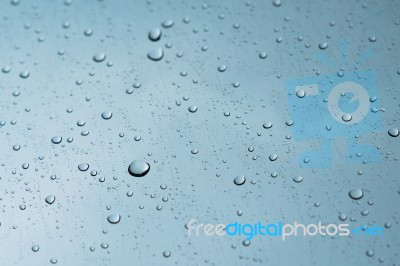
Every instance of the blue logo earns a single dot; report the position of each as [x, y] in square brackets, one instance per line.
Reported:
[339, 106]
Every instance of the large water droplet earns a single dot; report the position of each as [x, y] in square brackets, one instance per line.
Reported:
[298, 179]
[263, 55]
[106, 115]
[273, 157]
[300, 93]
[192, 108]
[100, 57]
[393, 132]
[138, 168]
[356, 194]
[277, 3]
[347, 117]
[239, 180]
[50, 199]
[114, 218]
[166, 254]
[323, 46]
[222, 68]
[155, 34]
[155, 54]
[83, 167]
[56, 139]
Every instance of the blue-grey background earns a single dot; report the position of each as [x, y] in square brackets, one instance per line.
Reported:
[47, 39]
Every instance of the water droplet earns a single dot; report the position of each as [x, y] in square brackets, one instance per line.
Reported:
[56, 139]
[114, 218]
[35, 248]
[16, 147]
[263, 55]
[192, 108]
[298, 179]
[370, 253]
[246, 243]
[267, 125]
[222, 68]
[50, 199]
[53, 261]
[100, 57]
[236, 84]
[277, 3]
[167, 23]
[138, 168]
[239, 180]
[347, 117]
[6, 69]
[289, 123]
[300, 93]
[372, 39]
[88, 32]
[106, 115]
[166, 254]
[342, 217]
[155, 34]
[393, 132]
[83, 167]
[323, 46]
[155, 54]
[81, 123]
[273, 157]
[356, 194]
[24, 74]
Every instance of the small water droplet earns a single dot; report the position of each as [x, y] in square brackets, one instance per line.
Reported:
[167, 23]
[35, 248]
[24, 74]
